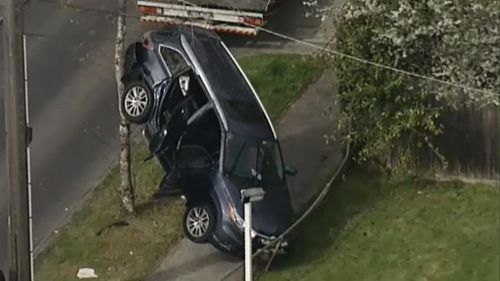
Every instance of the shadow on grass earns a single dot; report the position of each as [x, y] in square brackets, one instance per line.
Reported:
[151, 204]
[141, 209]
[318, 233]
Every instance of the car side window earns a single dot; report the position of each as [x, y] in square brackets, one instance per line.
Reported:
[174, 60]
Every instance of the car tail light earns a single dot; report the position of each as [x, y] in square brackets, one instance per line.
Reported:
[148, 10]
[147, 43]
[253, 21]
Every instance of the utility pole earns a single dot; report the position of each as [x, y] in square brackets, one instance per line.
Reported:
[17, 142]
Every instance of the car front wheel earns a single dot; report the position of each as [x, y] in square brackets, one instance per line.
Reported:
[136, 102]
[199, 222]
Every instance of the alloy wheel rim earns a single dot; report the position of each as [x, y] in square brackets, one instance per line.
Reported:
[136, 100]
[198, 221]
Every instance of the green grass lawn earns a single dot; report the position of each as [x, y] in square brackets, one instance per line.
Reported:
[129, 252]
[279, 79]
[373, 229]
[118, 253]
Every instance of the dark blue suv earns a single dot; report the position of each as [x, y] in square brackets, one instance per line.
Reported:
[203, 118]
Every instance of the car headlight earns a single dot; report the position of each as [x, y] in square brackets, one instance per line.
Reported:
[238, 221]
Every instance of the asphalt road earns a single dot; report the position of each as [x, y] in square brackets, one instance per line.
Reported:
[73, 108]
[73, 104]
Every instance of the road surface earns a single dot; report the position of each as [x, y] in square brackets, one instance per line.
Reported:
[73, 103]
[73, 110]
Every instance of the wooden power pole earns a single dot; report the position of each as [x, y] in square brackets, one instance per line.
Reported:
[17, 142]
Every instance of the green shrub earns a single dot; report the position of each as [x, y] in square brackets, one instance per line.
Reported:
[393, 115]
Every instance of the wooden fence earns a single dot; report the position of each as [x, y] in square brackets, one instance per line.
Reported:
[471, 143]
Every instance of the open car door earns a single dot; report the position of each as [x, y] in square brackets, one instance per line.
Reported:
[172, 119]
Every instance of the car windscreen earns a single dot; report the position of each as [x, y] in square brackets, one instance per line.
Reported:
[254, 162]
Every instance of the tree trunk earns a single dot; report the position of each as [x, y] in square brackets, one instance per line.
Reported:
[126, 188]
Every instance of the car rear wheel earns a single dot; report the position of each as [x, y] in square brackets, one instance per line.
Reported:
[199, 222]
[136, 102]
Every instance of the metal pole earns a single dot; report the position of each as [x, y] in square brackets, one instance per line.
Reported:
[248, 241]
[16, 143]
[28, 158]
[248, 196]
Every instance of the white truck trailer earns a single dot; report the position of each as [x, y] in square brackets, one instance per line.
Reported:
[229, 16]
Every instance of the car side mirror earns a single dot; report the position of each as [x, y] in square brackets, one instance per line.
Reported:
[290, 170]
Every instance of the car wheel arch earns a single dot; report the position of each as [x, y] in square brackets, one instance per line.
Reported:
[194, 197]
[135, 74]
[210, 196]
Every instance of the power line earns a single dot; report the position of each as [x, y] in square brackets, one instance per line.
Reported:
[394, 69]
[360, 60]
[489, 94]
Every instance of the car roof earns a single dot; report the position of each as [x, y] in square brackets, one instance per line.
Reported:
[228, 86]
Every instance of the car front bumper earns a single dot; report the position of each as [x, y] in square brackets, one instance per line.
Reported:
[231, 238]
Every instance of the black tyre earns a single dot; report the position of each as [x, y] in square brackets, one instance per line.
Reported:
[199, 222]
[136, 102]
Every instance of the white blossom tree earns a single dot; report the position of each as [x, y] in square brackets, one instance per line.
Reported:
[455, 41]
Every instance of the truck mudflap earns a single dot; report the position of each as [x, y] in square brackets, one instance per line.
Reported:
[218, 20]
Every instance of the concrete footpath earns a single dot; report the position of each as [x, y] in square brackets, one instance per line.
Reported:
[303, 132]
